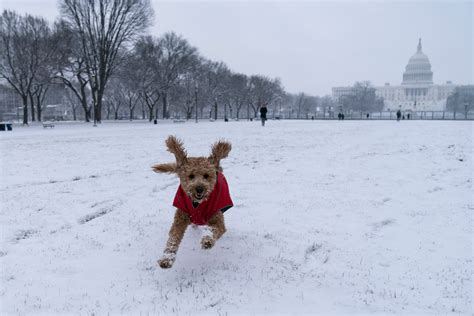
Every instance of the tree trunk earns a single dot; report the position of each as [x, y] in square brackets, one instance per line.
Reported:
[99, 107]
[215, 110]
[96, 116]
[87, 114]
[87, 109]
[189, 112]
[151, 114]
[38, 106]
[116, 115]
[97, 103]
[165, 106]
[73, 113]
[32, 105]
[131, 113]
[25, 109]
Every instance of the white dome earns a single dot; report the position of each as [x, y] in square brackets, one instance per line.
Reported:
[418, 69]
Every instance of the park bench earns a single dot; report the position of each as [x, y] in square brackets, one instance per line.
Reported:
[48, 124]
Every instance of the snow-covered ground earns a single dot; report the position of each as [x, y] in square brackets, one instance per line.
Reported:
[329, 217]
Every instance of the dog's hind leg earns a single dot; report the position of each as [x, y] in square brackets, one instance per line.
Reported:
[215, 230]
[180, 223]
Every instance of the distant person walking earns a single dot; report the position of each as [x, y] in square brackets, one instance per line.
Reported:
[339, 116]
[399, 115]
[263, 114]
[408, 116]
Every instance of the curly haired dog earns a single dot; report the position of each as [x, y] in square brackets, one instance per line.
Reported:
[202, 196]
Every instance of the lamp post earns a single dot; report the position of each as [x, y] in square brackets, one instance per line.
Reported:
[196, 101]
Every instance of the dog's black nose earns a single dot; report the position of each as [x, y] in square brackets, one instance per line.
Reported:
[199, 189]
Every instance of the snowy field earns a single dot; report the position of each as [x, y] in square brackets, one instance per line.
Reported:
[329, 217]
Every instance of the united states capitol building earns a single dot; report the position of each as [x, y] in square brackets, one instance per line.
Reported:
[417, 91]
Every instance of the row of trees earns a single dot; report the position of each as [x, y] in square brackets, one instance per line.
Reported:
[361, 99]
[96, 50]
[82, 50]
[159, 70]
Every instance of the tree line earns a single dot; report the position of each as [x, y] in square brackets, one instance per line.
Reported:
[362, 98]
[98, 53]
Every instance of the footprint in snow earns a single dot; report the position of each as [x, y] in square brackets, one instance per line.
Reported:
[316, 250]
[386, 222]
[435, 189]
[24, 234]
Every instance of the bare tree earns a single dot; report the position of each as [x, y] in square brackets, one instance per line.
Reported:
[188, 88]
[71, 99]
[145, 62]
[104, 27]
[461, 100]
[176, 58]
[263, 90]
[25, 48]
[71, 67]
[131, 78]
[362, 98]
[216, 84]
[238, 92]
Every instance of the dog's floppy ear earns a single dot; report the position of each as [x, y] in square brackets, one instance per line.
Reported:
[220, 150]
[176, 147]
[165, 168]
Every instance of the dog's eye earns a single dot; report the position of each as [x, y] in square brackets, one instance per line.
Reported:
[191, 176]
[206, 176]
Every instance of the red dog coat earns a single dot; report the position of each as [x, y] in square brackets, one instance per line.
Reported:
[218, 200]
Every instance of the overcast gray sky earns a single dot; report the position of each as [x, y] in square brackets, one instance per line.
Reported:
[314, 45]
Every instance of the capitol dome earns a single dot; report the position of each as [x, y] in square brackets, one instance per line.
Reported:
[418, 69]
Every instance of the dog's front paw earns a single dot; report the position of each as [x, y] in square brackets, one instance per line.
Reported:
[166, 262]
[207, 242]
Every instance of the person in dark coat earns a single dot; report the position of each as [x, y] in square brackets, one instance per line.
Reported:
[263, 114]
[399, 115]
[339, 116]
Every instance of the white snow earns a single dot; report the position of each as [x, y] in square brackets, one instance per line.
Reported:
[329, 217]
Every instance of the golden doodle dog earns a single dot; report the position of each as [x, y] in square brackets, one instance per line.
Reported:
[202, 197]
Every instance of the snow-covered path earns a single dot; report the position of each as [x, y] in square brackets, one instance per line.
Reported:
[329, 217]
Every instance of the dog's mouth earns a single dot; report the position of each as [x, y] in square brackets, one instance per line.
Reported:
[198, 197]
